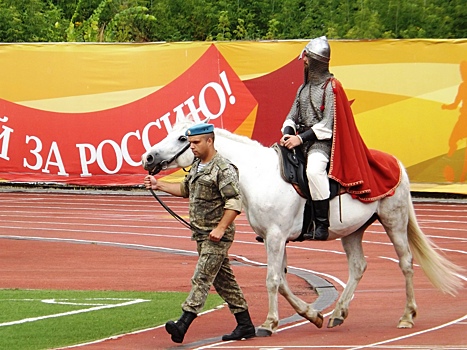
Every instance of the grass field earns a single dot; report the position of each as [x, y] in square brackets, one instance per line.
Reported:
[46, 319]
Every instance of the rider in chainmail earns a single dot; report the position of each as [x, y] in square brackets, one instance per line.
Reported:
[310, 124]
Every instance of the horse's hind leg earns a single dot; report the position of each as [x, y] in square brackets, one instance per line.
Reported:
[357, 265]
[394, 221]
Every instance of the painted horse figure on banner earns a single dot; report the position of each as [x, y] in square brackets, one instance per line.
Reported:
[275, 212]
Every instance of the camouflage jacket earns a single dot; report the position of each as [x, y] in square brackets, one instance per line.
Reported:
[210, 191]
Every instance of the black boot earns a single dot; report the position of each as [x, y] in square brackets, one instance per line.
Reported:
[245, 328]
[178, 329]
[321, 216]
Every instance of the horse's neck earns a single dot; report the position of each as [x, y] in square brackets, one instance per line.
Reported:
[263, 189]
[248, 156]
[256, 164]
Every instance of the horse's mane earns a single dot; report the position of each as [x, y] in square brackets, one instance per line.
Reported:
[238, 138]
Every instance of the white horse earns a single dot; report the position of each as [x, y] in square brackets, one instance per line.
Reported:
[275, 212]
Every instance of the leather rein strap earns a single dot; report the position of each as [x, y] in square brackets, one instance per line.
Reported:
[156, 170]
[171, 212]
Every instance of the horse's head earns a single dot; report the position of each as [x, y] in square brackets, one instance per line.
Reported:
[172, 152]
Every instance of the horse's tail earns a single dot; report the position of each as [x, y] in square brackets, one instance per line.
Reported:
[441, 272]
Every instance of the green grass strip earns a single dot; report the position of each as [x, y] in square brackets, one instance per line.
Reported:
[44, 319]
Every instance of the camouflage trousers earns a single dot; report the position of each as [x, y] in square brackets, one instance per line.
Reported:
[213, 269]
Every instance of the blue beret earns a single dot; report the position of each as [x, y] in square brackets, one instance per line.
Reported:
[200, 129]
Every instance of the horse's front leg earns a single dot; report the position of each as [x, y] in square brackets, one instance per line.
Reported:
[302, 308]
[275, 249]
[357, 265]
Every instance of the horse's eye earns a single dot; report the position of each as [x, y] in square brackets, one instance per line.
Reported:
[183, 138]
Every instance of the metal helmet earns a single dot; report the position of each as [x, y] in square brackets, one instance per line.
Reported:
[318, 49]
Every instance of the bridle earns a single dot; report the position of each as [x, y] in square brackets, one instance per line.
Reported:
[165, 163]
[162, 166]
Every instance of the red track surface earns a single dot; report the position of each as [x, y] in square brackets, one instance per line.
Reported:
[40, 232]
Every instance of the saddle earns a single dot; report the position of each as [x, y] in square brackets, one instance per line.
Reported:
[292, 164]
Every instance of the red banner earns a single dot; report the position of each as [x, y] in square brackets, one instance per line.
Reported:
[105, 147]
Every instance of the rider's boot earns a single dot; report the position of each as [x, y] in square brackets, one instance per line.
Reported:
[321, 214]
[178, 328]
[245, 328]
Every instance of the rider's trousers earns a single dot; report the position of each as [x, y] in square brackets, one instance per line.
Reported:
[318, 180]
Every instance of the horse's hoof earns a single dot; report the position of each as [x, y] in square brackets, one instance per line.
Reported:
[319, 320]
[333, 322]
[262, 332]
[405, 324]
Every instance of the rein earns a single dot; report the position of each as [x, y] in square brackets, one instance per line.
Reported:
[171, 212]
[163, 165]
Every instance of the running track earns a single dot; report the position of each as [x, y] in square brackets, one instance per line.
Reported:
[128, 242]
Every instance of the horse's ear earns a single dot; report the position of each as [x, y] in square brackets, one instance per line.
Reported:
[205, 121]
[183, 118]
[189, 118]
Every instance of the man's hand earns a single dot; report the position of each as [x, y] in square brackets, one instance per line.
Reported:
[216, 234]
[150, 182]
[290, 141]
[228, 217]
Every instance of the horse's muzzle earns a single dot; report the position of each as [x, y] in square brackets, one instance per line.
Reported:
[149, 164]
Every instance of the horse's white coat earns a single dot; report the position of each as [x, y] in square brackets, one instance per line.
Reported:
[275, 212]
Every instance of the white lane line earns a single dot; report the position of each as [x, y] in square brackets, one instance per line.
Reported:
[444, 325]
[74, 312]
[109, 243]
[86, 231]
[135, 332]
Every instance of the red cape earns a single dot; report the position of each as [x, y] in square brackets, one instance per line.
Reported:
[368, 175]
